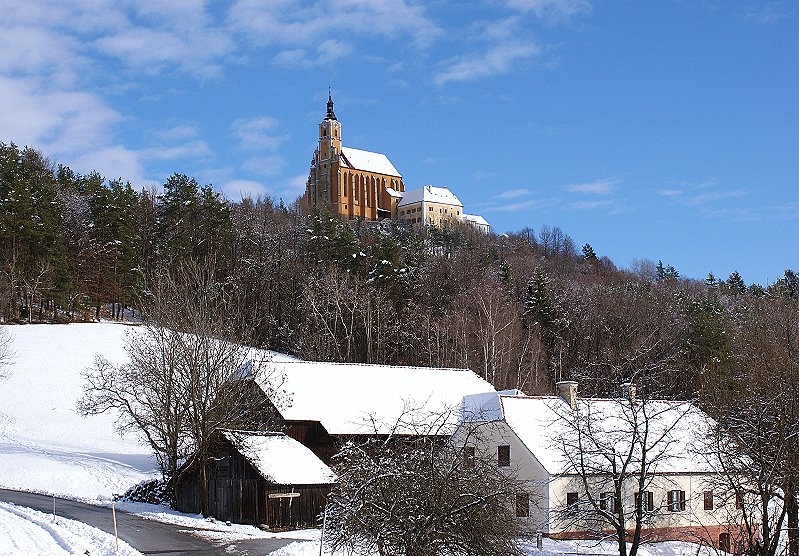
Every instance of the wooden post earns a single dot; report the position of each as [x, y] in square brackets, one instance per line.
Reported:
[114, 517]
[322, 535]
[54, 508]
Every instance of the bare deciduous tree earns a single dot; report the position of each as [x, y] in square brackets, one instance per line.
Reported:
[6, 351]
[421, 496]
[612, 450]
[184, 380]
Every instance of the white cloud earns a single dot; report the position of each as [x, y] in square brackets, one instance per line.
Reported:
[294, 187]
[177, 133]
[591, 205]
[669, 192]
[707, 198]
[254, 134]
[327, 52]
[767, 13]
[239, 189]
[192, 149]
[552, 10]
[600, 187]
[266, 166]
[115, 161]
[513, 194]
[270, 22]
[497, 60]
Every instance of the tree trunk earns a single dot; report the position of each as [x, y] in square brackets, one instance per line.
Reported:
[203, 480]
[792, 513]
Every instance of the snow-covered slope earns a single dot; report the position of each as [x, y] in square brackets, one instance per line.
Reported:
[45, 445]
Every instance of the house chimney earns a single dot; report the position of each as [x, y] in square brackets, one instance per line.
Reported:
[567, 389]
[628, 391]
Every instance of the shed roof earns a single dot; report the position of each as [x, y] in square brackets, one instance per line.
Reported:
[351, 399]
[367, 161]
[430, 194]
[280, 459]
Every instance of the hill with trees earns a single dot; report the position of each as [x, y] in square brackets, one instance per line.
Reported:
[522, 310]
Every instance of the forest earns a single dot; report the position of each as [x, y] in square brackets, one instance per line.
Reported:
[522, 310]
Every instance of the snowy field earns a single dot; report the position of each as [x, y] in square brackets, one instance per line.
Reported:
[46, 447]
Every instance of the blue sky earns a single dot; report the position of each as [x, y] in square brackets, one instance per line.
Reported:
[664, 130]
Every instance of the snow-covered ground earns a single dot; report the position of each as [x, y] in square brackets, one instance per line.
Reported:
[26, 531]
[45, 446]
[310, 547]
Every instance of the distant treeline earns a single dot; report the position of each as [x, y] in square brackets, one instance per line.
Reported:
[521, 310]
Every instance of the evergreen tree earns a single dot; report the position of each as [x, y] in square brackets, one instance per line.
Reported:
[735, 284]
[589, 254]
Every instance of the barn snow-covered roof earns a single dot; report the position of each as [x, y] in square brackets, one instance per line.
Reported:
[351, 399]
[280, 459]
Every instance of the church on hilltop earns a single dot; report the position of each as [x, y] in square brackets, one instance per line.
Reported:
[354, 183]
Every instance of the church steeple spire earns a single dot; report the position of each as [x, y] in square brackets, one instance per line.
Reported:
[330, 114]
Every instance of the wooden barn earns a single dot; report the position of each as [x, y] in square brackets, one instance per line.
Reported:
[261, 479]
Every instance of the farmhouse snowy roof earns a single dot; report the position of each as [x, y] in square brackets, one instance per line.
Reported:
[349, 398]
[367, 161]
[430, 194]
[539, 423]
[281, 459]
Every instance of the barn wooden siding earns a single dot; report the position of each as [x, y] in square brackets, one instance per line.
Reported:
[238, 493]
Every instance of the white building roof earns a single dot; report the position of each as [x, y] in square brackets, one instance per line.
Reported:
[474, 219]
[538, 423]
[430, 194]
[281, 460]
[350, 399]
[367, 161]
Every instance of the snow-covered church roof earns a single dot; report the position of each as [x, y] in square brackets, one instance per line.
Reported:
[367, 161]
[430, 194]
[351, 399]
[280, 459]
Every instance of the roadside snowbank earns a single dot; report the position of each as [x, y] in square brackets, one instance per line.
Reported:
[26, 531]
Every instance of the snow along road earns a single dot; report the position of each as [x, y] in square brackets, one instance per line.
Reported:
[145, 535]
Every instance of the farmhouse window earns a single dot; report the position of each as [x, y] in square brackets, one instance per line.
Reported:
[503, 456]
[572, 503]
[724, 542]
[676, 501]
[708, 499]
[522, 504]
[739, 501]
[607, 501]
[468, 457]
[645, 500]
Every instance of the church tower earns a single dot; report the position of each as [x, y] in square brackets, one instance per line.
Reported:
[351, 183]
[323, 178]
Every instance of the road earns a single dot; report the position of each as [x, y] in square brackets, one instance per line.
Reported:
[145, 535]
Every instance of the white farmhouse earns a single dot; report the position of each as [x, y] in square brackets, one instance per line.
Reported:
[566, 451]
